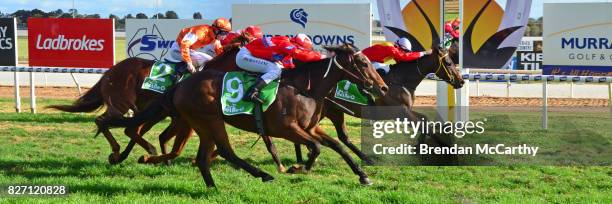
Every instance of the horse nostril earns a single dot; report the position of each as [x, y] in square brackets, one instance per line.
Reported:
[384, 89]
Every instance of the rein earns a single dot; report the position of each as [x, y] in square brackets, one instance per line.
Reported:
[441, 66]
[360, 78]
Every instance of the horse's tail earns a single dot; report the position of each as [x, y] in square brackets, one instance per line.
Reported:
[162, 105]
[91, 101]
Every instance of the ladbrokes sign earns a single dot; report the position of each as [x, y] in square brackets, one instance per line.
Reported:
[71, 42]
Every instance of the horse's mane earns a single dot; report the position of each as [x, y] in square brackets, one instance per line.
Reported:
[218, 60]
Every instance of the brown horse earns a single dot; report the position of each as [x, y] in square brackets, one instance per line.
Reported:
[403, 80]
[294, 115]
[119, 91]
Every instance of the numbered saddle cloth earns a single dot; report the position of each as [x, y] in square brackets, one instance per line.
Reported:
[235, 85]
[347, 91]
[162, 77]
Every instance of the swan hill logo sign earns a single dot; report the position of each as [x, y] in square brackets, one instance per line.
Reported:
[147, 40]
[299, 16]
[71, 42]
[8, 43]
[153, 38]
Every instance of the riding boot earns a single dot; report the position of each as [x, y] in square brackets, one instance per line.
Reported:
[253, 93]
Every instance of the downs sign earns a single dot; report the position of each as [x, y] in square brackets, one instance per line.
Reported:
[62, 42]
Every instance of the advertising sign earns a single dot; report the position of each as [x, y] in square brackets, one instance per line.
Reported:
[66, 42]
[491, 34]
[151, 38]
[577, 39]
[326, 24]
[8, 42]
[529, 54]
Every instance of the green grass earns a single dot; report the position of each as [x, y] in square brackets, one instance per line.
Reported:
[58, 148]
[22, 43]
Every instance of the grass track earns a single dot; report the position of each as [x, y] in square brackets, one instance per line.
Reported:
[57, 148]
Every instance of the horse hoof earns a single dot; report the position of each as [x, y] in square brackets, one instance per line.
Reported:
[267, 178]
[282, 169]
[168, 162]
[365, 181]
[143, 159]
[113, 159]
[296, 169]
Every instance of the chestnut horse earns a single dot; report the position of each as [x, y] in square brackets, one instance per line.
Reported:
[294, 115]
[119, 90]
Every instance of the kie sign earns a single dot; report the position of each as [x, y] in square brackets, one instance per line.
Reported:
[62, 42]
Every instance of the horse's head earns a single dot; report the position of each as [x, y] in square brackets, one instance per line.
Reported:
[445, 68]
[358, 69]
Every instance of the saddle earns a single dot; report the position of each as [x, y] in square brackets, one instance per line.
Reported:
[180, 70]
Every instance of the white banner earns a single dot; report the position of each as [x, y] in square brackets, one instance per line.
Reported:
[390, 13]
[151, 38]
[326, 24]
[577, 39]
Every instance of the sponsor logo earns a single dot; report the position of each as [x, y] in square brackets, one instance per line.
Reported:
[63, 43]
[299, 16]
[586, 43]
[324, 39]
[146, 41]
[6, 42]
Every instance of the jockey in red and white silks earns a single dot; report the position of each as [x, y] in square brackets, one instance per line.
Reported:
[400, 52]
[271, 54]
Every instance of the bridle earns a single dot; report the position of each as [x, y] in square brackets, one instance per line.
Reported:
[441, 66]
[367, 86]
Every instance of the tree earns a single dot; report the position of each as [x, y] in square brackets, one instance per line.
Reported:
[74, 13]
[159, 15]
[171, 15]
[93, 16]
[38, 13]
[197, 15]
[113, 16]
[57, 13]
[129, 16]
[65, 15]
[141, 16]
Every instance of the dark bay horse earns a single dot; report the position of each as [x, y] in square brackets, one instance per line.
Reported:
[403, 79]
[119, 90]
[294, 115]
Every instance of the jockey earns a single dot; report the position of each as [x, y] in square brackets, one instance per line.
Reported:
[400, 52]
[190, 40]
[451, 31]
[272, 54]
[251, 33]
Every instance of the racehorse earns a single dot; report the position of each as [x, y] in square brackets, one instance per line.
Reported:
[403, 79]
[119, 90]
[294, 115]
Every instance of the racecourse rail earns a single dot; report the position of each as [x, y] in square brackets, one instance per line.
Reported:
[545, 79]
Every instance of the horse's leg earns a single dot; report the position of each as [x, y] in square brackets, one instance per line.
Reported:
[145, 128]
[203, 161]
[113, 158]
[133, 133]
[217, 130]
[272, 150]
[183, 133]
[328, 141]
[337, 118]
[298, 153]
[165, 136]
